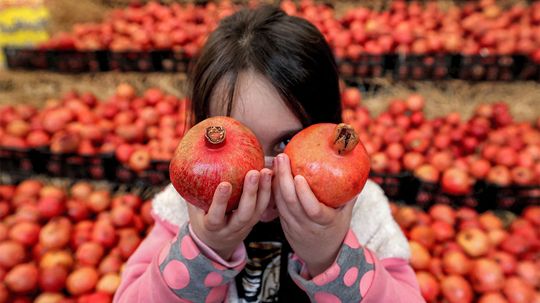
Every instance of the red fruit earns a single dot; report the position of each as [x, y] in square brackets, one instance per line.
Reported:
[48, 297]
[435, 267]
[479, 168]
[82, 280]
[56, 234]
[427, 173]
[129, 241]
[474, 242]
[499, 175]
[456, 182]
[89, 254]
[98, 297]
[529, 272]
[139, 160]
[351, 97]
[122, 215]
[443, 231]
[53, 279]
[11, 254]
[506, 261]
[51, 191]
[123, 152]
[506, 156]
[420, 256]
[98, 201]
[456, 289]
[406, 217]
[110, 264]
[379, 162]
[345, 162]
[489, 221]
[486, 275]
[22, 278]
[397, 107]
[492, 297]
[456, 263]
[4, 293]
[423, 235]
[81, 190]
[522, 175]
[153, 95]
[57, 258]
[443, 213]
[38, 138]
[517, 291]
[26, 233]
[442, 160]
[49, 207]
[412, 160]
[428, 286]
[109, 283]
[395, 151]
[515, 244]
[125, 91]
[532, 214]
[65, 142]
[104, 234]
[218, 149]
[415, 102]
[77, 210]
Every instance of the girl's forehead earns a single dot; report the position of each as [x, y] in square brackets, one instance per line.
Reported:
[257, 104]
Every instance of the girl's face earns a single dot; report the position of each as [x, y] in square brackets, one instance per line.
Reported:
[258, 105]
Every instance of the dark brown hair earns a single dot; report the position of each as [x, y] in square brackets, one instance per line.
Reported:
[289, 51]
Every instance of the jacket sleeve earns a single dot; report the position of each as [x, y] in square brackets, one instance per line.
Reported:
[358, 276]
[173, 268]
[372, 265]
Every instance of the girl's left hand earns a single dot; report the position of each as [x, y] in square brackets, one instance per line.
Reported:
[314, 230]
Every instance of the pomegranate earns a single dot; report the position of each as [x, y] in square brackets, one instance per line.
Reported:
[22, 278]
[82, 280]
[428, 286]
[218, 149]
[456, 289]
[325, 152]
[486, 275]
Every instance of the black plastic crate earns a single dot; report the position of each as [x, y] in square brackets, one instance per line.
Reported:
[18, 160]
[127, 61]
[64, 61]
[530, 70]
[395, 186]
[427, 194]
[26, 58]
[365, 66]
[172, 61]
[97, 167]
[74, 61]
[423, 67]
[156, 174]
[489, 68]
[514, 198]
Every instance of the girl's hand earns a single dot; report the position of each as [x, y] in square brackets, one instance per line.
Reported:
[314, 230]
[224, 232]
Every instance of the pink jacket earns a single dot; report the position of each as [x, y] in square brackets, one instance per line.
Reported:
[173, 265]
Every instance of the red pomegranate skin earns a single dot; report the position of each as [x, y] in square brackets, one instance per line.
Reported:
[198, 166]
[334, 178]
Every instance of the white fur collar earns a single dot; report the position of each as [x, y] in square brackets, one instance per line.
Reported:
[372, 221]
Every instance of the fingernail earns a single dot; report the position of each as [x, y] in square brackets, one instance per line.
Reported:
[267, 177]
[224, 189]
[254, 178]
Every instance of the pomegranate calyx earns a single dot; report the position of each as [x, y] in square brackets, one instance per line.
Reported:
[215, 135]
[345, 138]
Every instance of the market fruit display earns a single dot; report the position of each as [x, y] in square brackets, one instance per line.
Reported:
[476, 27]
[77, 254]
[215, 150]
[327, 151]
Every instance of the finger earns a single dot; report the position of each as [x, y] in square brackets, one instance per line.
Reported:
[265, 191]
[314, 209]
[285, 214]
[244, 213]
[287, 188]
[215, 218]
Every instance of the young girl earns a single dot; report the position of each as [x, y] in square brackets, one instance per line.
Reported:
[276, 74]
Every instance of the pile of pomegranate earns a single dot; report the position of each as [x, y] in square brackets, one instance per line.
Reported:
[449, 150]
[137, 129]
[66, 244]
[477, 27]
[461, 256]
[69, 244]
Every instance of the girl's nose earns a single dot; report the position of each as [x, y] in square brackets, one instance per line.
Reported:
[268, 161]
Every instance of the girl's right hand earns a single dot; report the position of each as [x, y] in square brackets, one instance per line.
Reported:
[224, 232]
